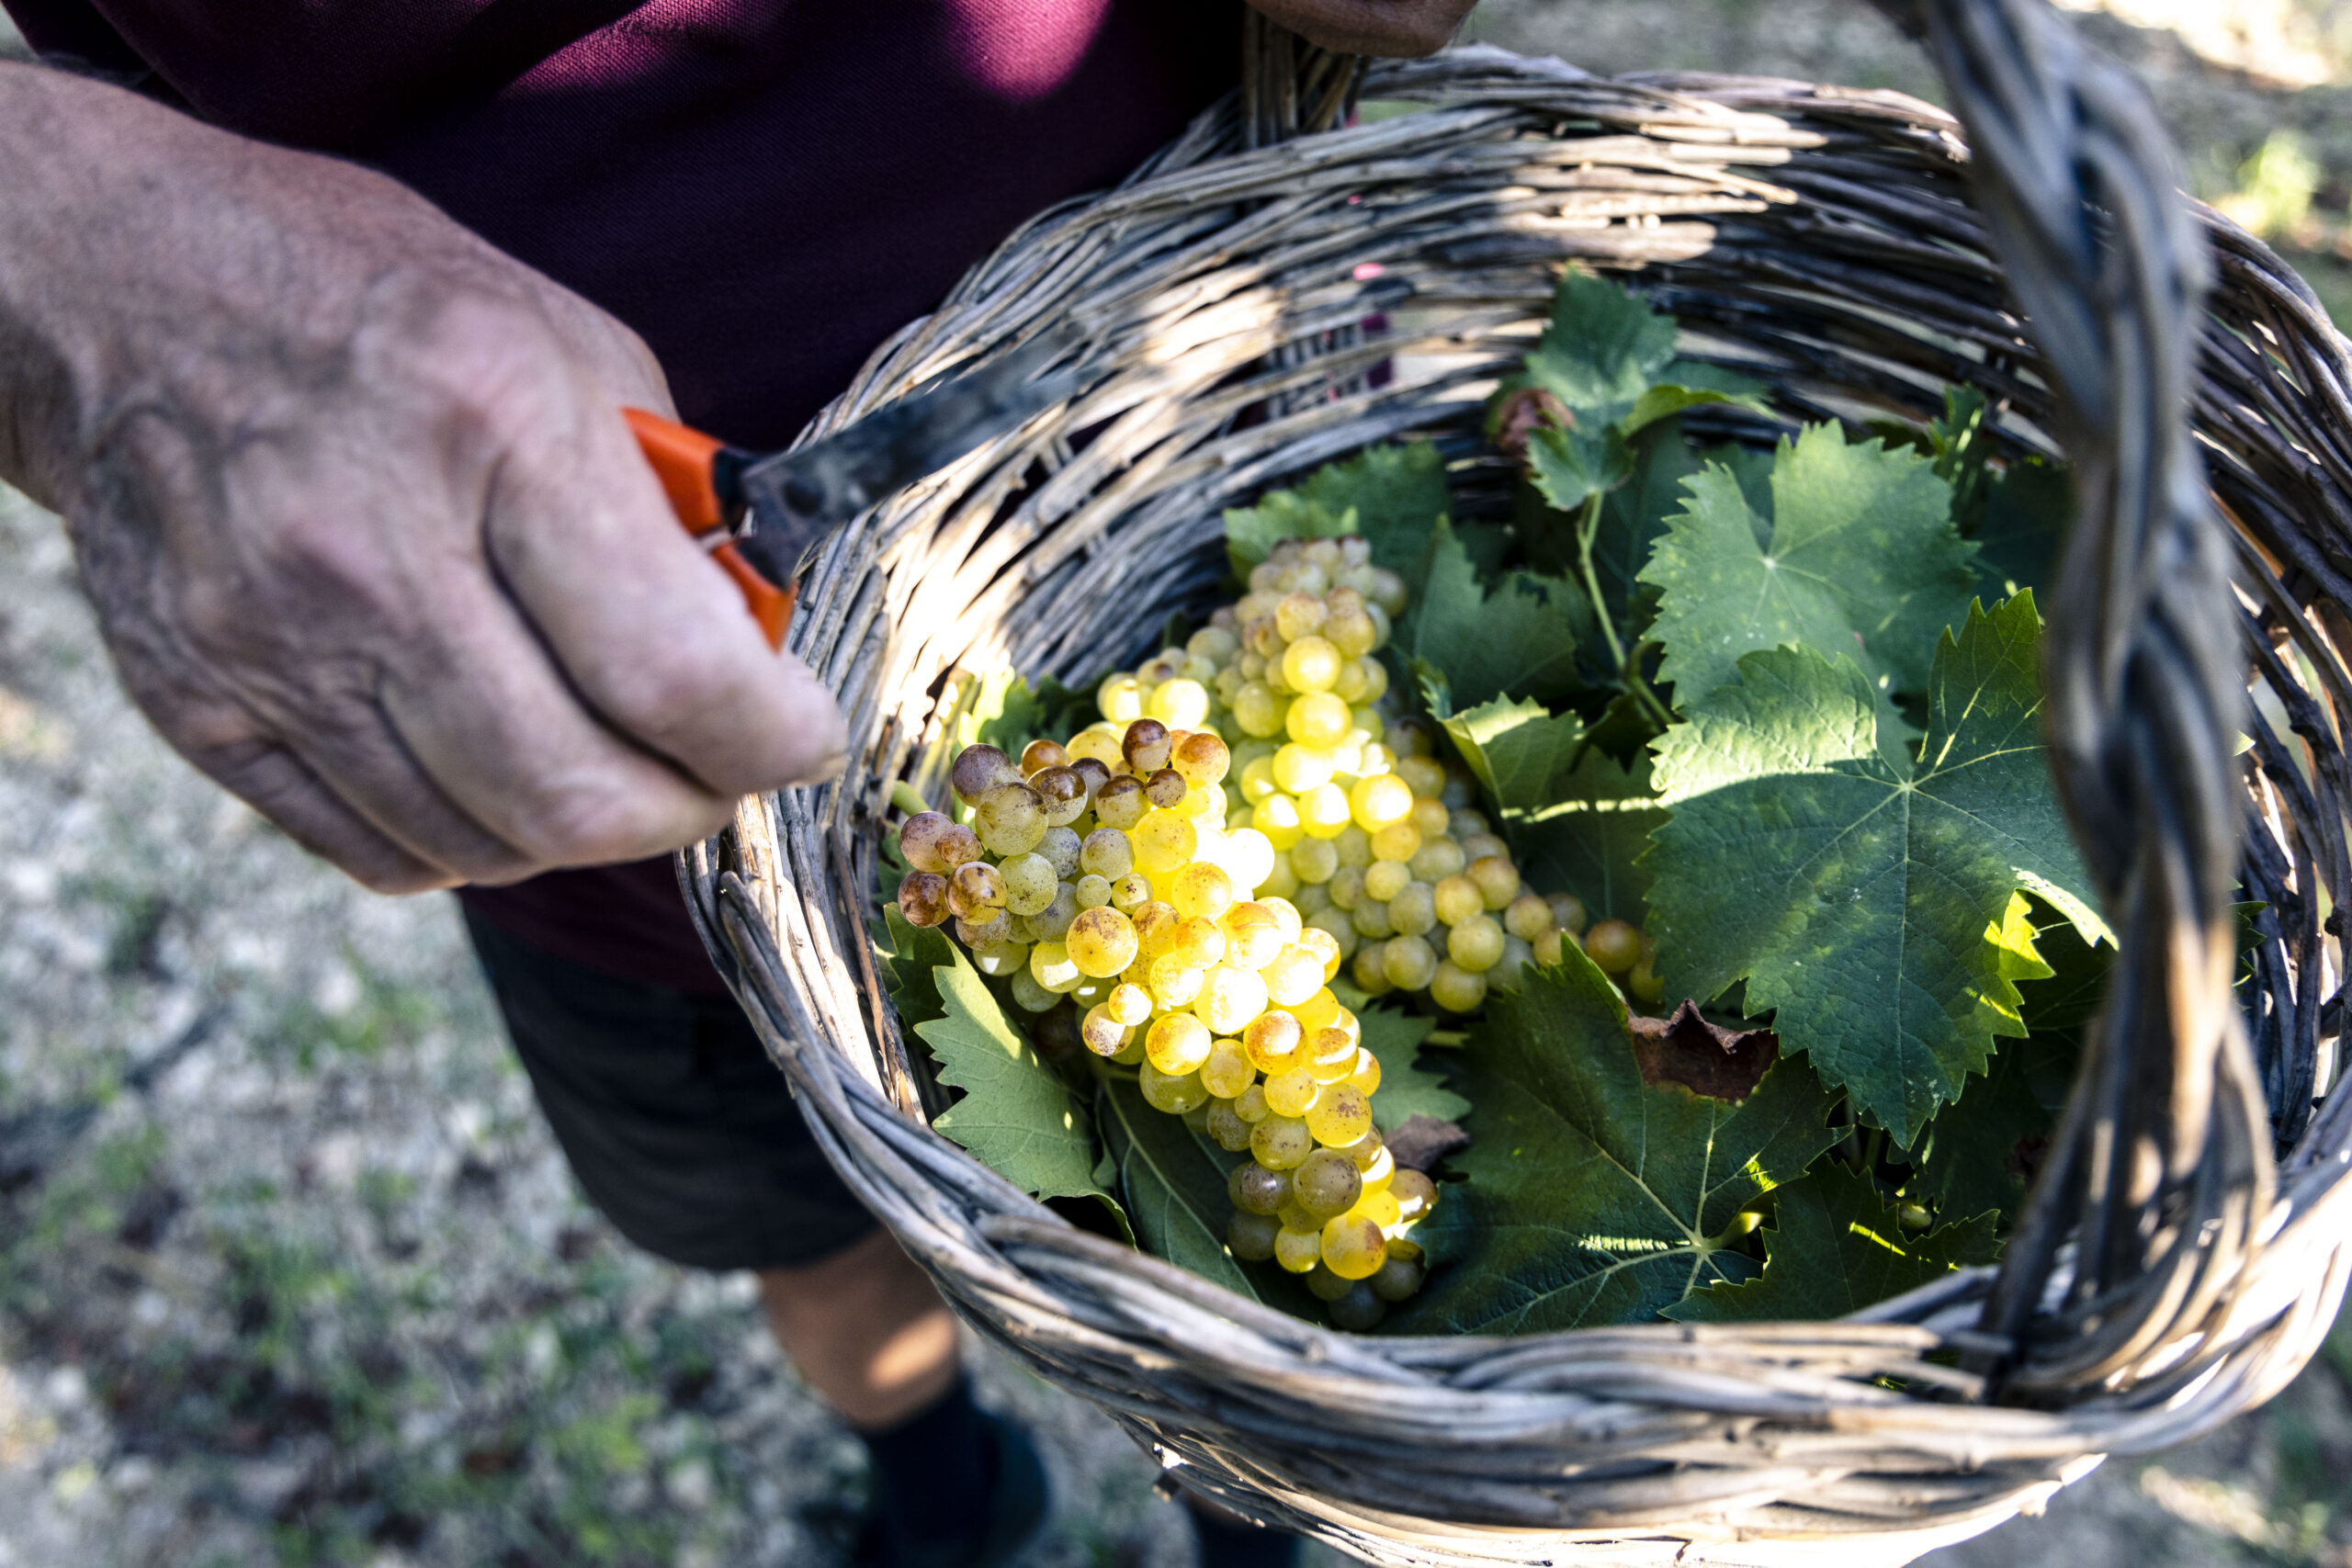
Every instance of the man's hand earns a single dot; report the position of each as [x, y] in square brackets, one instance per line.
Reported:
[1394, 28]
[352, 496]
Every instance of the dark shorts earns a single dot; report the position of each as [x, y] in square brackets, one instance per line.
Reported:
[674, 1120]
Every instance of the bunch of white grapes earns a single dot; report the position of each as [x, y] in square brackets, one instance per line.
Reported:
[1198, 933]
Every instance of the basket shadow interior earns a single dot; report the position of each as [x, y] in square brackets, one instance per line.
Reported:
[1264, 308]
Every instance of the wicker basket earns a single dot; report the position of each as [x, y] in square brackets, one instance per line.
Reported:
[2185, 1249]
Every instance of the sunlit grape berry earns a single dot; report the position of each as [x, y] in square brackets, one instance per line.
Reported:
[1498, 880]
[1181, 703]
[1478, 846]
[1102, 941]
[1398, 841]
[1339, 926]
[1166, 790]
[1476, 944]
[1029, 996]
[1373, 1158]
[1300, 615]
[1291, 1091]
[1010, 818]
[1311, 664]
[1384, 879]
[1155, 926]
[1271, 1040]
[1028, 883]
[1276, 817]
[1323, 811]
[1201, 757]
[1228, 1070]
[1131, 893]
[1457, 989]
[1317, 718]
[980, 769]
[1201, 889]
[1174, 1093]
[1252, 936]
[1164, 842]
[1258, 779]
[1614, 945]
[1341, 1114]
[1352, 1247]
[1293, 976]
[1174, 984]
[1381, 1209]
[1178, 1044]
[1328, 1057]
[1408, 962]
[1128, 1005]
[1415, 1193]
[932, 841]
[1002, 960]
[1214, 643]
[1319, 943]
[1365, 1077]
[1229, 998]
[1051, 966]
[1299, 1251]
[1103, 1033]
[1281, 1142]
[1414, 911]
[1248, 859]
[1254, 1189]
[922, 899]
[1197, 942]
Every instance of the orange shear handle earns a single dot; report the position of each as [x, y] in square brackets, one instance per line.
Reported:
[685, 460]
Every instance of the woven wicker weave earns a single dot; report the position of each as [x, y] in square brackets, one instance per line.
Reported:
[2185, 1249]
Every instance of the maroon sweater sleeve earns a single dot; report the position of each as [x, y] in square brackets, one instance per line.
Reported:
[763, 188]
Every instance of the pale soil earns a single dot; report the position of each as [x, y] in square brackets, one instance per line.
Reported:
[290, 1271]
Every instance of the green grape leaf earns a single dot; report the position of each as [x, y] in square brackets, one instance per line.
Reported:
[1868, 900]
[909, 955]
[1407, 1089]
[1833, 1249]
[1519, 750]
[1590, 840]
[2028, 509]
[1390, 494]
[1520, 639]
[1610, 357]
[1864, 560]
[1980, 1151]
[1593, 1199]
[1173, 1184]
[1568, 466]
[1016, 1116]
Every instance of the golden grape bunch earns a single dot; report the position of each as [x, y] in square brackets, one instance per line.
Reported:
[1199, 934]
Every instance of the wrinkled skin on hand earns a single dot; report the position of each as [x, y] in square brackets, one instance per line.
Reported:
[1399, 28]
[352, 497]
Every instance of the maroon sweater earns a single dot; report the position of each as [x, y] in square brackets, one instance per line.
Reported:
[763, 188]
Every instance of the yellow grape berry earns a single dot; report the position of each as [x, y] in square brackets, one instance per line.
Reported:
[1178, 1044]
[1164, 842]
[1251, 1104]
[1228, 1070]
[1457, 989]
[1299, 1251]
[1293, 976]
[1201, 889]
[1527, 917]
[1398, 841]
[1317, 718]
[1415, 1193]
[1352, 1247]
[1101, 942]
[1174, 984]
[1279, 1142]
[1379, 801]
[1339, 1115]
[1128, 1004]
[1291, 1092]
[1229, 998]
[1384, 879]
[1476, 944]
[1273, 1039]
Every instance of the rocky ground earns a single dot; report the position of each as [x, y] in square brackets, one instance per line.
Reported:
[290, 1272]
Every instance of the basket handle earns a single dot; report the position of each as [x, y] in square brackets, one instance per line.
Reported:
[2162, 1168]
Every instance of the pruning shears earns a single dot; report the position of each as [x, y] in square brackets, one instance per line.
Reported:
[762, 517]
